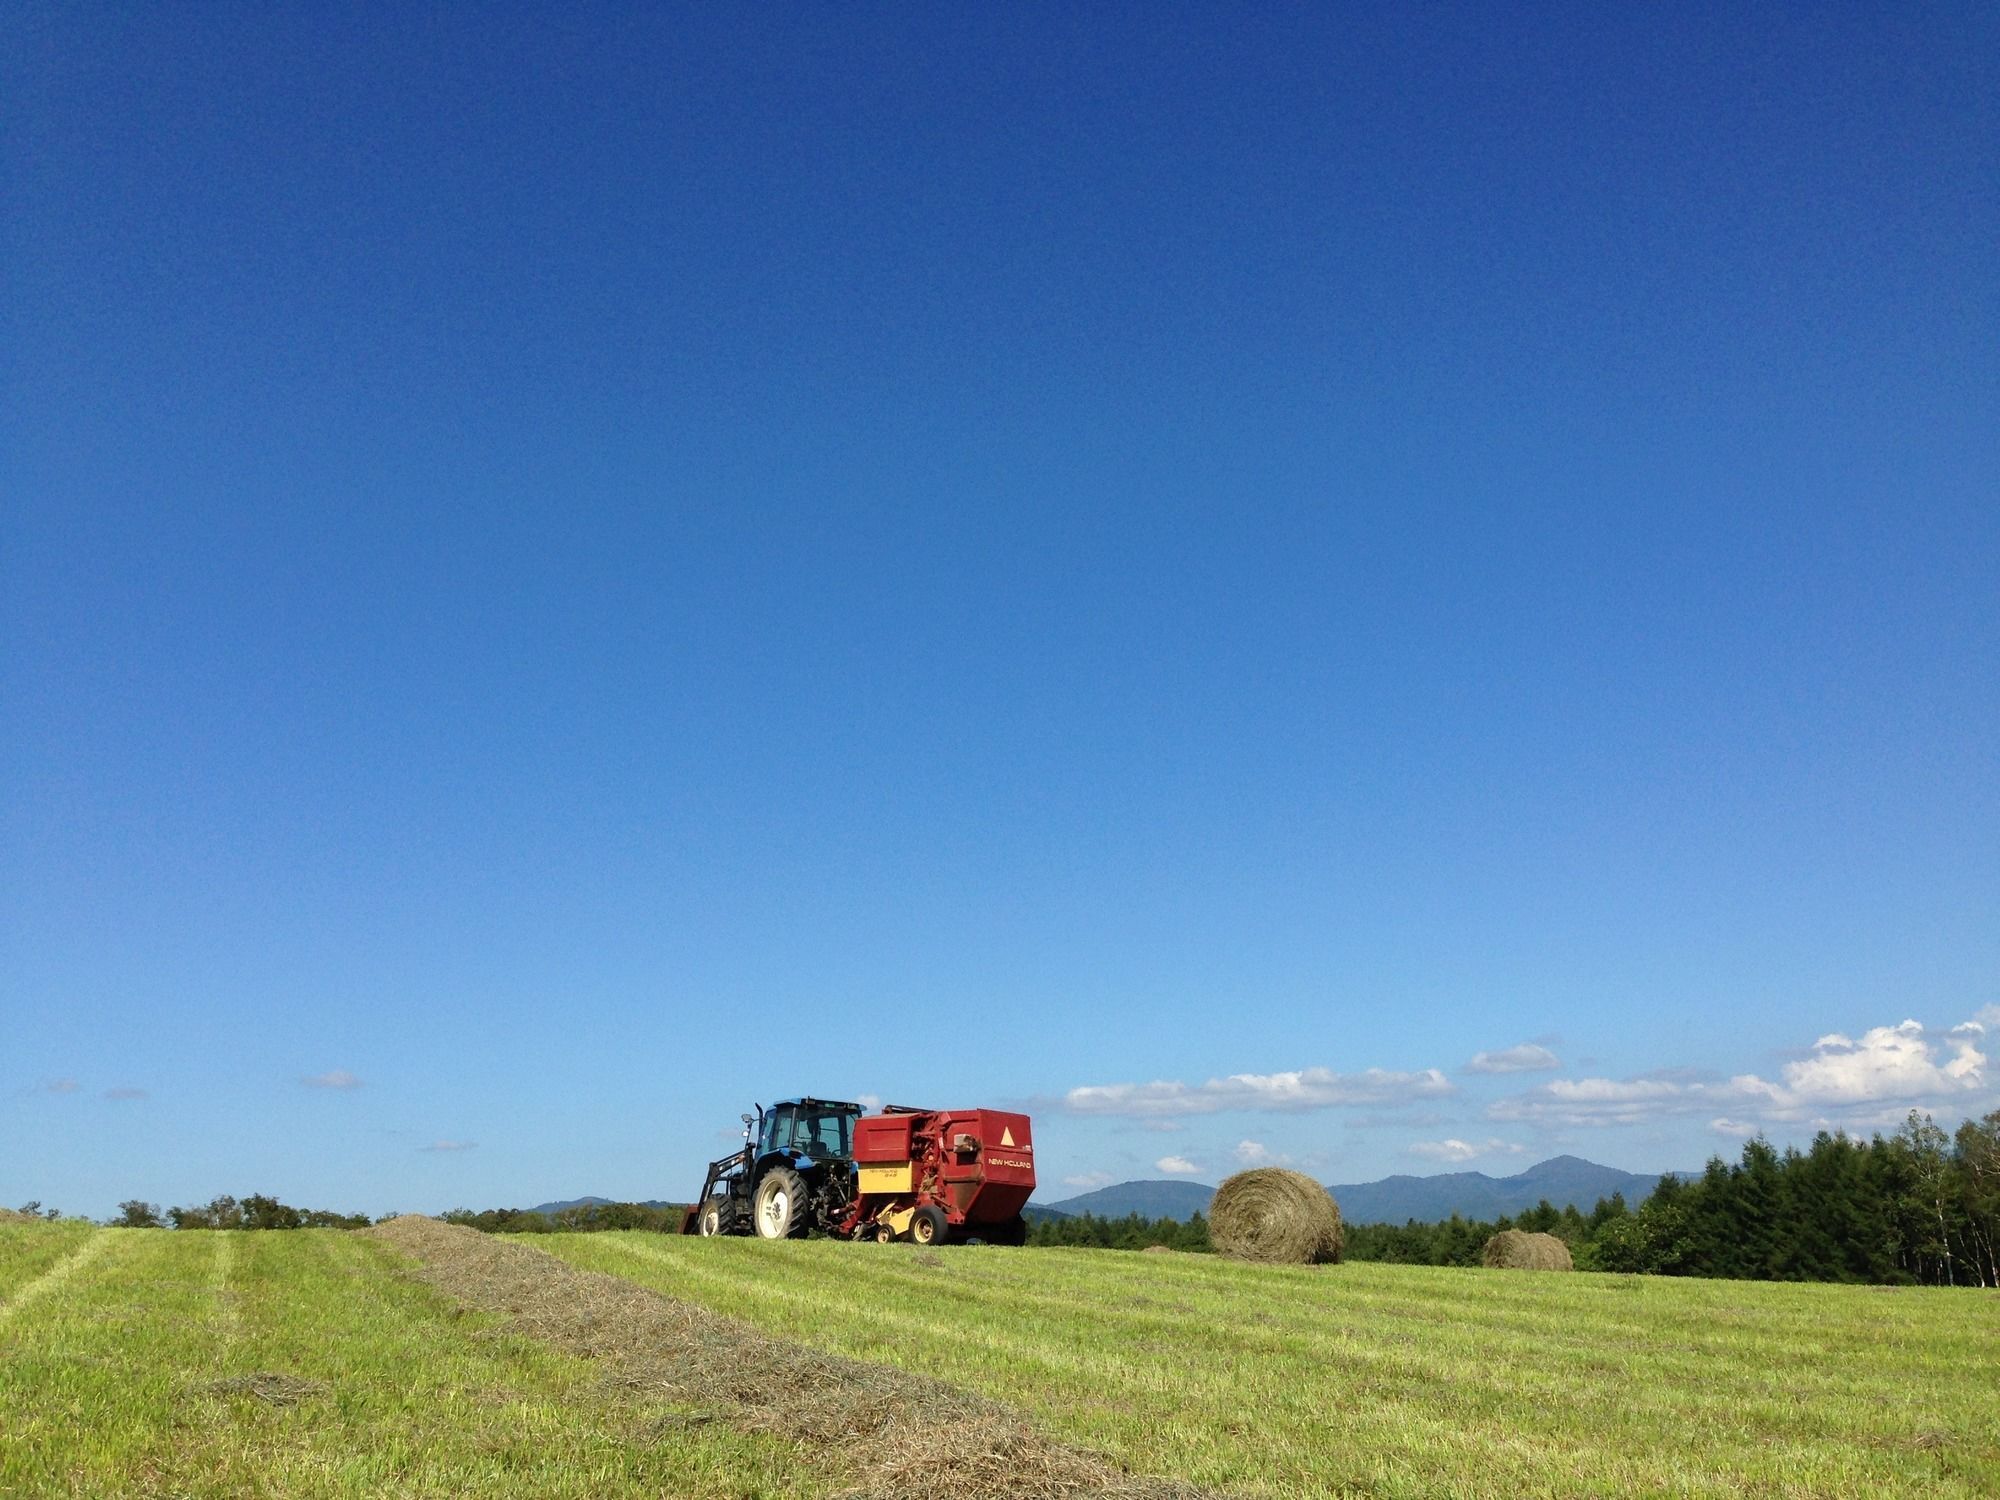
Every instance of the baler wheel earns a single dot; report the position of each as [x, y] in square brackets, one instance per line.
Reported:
[884, 1235]
[779, 1207]
[928, 1226]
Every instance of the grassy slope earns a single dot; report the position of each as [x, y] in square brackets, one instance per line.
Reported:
[106, 1376]
[1399, 1380]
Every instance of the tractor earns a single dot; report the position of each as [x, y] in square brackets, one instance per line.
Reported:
[794, 1173]
[819, 1166]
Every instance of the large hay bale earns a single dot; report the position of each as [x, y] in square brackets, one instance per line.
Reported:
[1273, 1215]
[1518, 1250]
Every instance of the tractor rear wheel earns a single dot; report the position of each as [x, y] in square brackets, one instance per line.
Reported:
[928, 1226]
[779, 1206]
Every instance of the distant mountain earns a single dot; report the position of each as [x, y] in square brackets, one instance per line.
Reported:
[1563, 1180]
[1149, 1200]
[556, 1208]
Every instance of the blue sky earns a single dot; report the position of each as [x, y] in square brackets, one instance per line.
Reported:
[1383, 588]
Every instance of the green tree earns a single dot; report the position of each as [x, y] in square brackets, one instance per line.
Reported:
[1978, 1149]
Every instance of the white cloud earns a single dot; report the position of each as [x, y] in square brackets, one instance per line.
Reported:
[1888, 1071]
[1889, 1062]
[125, 1094]
[1723, 1125]
[61, 1086]
[1304, 1089]
[449, 1146]
[339, 1078]
[869, 1102]
[1253, 1153]
[1454, 1149]
[1089, 1180]
[1177, 1166]
[1526, 1058]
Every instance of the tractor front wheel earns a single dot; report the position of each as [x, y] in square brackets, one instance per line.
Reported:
[718, 1216]
[779, 1206]
[928, 1226]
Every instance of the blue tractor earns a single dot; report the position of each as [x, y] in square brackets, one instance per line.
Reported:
[794, 1174]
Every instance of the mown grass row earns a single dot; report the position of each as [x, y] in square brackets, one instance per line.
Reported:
[1393, 1380]
[204, 1363]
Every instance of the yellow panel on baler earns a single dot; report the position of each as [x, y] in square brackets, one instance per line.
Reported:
[901, 1177]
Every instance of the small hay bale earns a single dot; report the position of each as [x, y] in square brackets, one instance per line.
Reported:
[1518, 1250]
[1280, 1217]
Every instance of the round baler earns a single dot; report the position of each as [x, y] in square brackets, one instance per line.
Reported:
[945, 1174]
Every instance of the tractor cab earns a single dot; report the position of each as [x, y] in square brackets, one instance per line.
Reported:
[810, 1131]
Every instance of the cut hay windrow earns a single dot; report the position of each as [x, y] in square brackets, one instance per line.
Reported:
[888, 1434]
[1519, 1250]
[1276, 1216]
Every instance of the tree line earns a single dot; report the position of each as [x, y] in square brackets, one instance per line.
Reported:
[261, 1211]
[584, 1218]
[257, 1211]
[1133, 1232]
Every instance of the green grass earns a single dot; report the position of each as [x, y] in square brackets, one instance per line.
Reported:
[117, 1349]
[110, 1372]
[1396, 1380]
[28, 1250]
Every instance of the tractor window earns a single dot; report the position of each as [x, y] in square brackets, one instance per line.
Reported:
[825, 1135]
[777, 1132]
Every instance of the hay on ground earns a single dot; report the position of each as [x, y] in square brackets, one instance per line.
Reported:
[881, 1427]
[1518, 1250]
[1273, 1215]
[271, 1387]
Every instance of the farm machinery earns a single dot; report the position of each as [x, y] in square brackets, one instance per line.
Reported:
[818, 1166]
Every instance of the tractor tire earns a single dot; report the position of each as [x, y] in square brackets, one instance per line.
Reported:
[929, 1226]
[778, 1207]
[884, 1235]
[718, 1217]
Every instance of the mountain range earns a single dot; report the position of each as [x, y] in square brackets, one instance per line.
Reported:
[1562, 1180]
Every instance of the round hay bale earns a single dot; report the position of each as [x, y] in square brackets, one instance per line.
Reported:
[1280, 1217]
[1518, 1250]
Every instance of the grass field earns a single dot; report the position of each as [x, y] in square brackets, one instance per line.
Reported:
[205, 1363]
[1401, 1380]
[311, 1363]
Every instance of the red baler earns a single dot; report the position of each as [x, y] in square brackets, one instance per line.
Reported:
[936, 1174]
